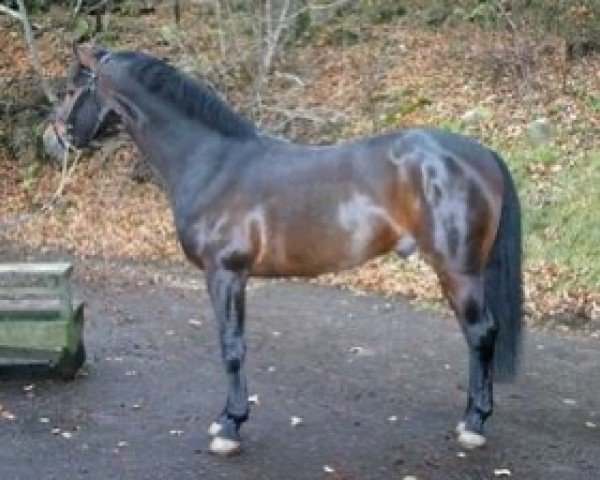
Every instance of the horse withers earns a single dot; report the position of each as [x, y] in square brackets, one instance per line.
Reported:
[249, 204]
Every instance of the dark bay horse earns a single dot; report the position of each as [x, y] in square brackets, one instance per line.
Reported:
[246, 203]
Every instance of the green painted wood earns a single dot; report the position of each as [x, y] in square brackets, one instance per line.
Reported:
[11, 356]
[39, 319]
[34, 335]
[18, 291]
[75, 328]
[25, 304]
[50, 280]
[62, 269]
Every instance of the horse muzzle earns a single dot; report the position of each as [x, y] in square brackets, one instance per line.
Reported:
[55, 139]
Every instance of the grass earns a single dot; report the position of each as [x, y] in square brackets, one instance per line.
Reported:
[560, 211]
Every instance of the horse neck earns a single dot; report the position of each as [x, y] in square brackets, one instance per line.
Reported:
[181, 149]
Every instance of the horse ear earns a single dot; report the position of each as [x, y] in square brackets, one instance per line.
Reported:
[86, 56]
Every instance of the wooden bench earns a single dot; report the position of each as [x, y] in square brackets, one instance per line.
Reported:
[41, 325]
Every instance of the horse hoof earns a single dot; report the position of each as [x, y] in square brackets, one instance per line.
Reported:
[224, 446]
[470, 440]
[214, 429]
[461, 427]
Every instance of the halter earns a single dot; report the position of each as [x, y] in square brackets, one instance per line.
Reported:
[90, 86]
[93, 74]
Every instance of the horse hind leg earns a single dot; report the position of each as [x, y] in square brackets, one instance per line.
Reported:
[465, 294]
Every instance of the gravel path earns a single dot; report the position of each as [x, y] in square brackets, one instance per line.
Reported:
[379, 387]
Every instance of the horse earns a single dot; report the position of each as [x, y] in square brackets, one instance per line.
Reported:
[246, 203]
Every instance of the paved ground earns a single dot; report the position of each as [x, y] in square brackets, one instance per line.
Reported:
[154, 381]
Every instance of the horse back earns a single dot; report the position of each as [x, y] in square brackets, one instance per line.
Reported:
[293, 210]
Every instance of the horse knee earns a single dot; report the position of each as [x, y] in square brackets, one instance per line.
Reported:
[480, 327]
[233, 355]
[481, 337]
[233, 364]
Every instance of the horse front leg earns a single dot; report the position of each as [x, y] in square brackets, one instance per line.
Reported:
[227, 293]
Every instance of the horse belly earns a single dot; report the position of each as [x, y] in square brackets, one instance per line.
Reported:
[339, 237]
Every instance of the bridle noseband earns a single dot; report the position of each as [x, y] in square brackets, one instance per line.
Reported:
[90, 86]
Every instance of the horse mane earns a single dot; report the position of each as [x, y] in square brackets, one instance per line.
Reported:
[188, 96]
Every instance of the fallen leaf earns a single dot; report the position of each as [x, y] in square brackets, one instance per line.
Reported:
[296, 421]
[8, 415]
[356, 350]
[502, 472]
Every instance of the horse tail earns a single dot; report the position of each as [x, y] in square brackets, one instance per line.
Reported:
[503, 294]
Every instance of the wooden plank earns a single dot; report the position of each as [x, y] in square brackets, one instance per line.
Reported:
[24, 292]
[32, 335]
[75, 329]
[35, 307]
[59, 269]
[17, 357]
[39, 320]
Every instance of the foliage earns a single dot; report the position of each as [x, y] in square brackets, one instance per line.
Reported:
[382, 11]
[577, 22]
[343, 74]
[557, 194]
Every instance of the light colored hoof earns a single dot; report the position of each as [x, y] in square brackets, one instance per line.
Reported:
[471, 440]
[214, 429]
[224, 446]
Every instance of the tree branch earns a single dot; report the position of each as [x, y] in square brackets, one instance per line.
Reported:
[273, 36]
[33, 53]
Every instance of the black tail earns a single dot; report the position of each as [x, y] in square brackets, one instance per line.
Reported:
[503, 281]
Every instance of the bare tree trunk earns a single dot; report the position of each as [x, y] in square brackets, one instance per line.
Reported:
[273, 34]
[176, 10]
[33, 53]
[219, 14]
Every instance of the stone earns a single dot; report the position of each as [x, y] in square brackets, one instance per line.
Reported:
[476, 115]
[540, 131]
